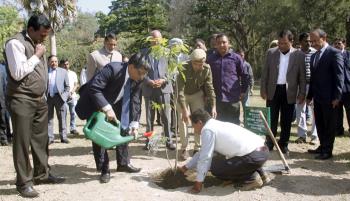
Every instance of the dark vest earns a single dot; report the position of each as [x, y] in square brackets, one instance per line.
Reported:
[33, 85]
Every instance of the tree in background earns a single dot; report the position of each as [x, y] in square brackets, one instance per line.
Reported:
[134, 18]
[10, 23]
[59, 13]
[77, 39]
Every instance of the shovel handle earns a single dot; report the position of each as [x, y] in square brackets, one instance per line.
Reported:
[286, 166]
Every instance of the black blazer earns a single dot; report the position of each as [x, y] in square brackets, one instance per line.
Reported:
[346, 55]
[104, 89]
[327, 78]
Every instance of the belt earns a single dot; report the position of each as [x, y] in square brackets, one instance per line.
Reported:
[263, 148]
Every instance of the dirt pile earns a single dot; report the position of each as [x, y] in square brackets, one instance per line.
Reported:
[168, 179]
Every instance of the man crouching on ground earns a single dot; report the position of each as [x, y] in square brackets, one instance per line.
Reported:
[244, 153]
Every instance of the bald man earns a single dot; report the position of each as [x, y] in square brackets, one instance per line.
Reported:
[157, 88]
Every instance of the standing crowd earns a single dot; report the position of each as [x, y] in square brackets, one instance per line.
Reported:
[309, 83]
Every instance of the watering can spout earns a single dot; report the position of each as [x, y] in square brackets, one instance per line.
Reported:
[104, 133]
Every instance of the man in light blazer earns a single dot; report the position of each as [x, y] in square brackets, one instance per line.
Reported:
[326, 85]
[57, 95]
[157, 88]
[97, 59]
[282, 84]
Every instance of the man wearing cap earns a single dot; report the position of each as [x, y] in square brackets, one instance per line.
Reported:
[194, 85]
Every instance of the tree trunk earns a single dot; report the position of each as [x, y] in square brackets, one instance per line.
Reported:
[53, 46]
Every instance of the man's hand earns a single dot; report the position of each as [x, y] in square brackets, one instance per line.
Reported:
[301, 100]
[159, 83]
[197, 187]
[111, 115]
[241, 96]
[134, 132]
[182, 169]
[213, 112]
[335, 103]
[185, 116]
[308, 102]
[40, 50]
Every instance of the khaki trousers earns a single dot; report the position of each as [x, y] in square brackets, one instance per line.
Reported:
[193, 102]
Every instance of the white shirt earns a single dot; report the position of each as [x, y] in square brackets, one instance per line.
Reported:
[18, 63]
[283, 68]
[133, 124]
[73, 81]
[83, 78]
[225, 138]
[52, 82]
[323, 49]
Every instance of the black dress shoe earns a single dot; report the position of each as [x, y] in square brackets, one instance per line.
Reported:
[65, 141]
[50, 180]
[74, 132]
[27, 192]
[284, 150]
[4, 143]
[105, 177]
[315, 151]
[324, 156]
[128, 168]
[170, 146]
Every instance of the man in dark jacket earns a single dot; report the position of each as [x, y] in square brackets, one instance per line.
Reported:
[115, 90]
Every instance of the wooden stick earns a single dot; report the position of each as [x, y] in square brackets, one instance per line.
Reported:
[286, 166]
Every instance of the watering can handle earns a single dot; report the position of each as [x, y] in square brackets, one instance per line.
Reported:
[91, 121]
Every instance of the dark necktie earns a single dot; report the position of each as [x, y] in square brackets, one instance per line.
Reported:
[155, 69]
[317, 58]
[126, 105]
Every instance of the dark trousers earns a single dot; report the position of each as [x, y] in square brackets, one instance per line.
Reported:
[29, 120]
[228, 111]
[239, 168]
[165, 111]
[279, 104]
[345, 103]
[325, 119]
[102, 159]
[3, 127]
[60, 106]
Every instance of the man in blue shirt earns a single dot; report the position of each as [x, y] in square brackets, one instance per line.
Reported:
[230, 80]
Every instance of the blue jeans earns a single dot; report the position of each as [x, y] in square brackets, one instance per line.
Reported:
[71, 106]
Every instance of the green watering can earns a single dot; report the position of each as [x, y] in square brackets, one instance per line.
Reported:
[104, 133]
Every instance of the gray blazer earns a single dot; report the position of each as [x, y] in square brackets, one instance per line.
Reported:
[296, 81]
[62, 83]
[147, 90]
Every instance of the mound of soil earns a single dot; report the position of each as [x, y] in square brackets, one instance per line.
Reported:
[168, 179]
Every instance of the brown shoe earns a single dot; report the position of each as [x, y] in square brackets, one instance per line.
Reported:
[251, 185]
[300, 140]
[27, 192]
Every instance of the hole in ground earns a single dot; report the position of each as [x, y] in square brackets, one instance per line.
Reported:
[167, 179]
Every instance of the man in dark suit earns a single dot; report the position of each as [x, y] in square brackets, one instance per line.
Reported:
[340, 44]
[115, 90]
[57, 95]
[326, 84]
[282, 84]
[157, 88]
